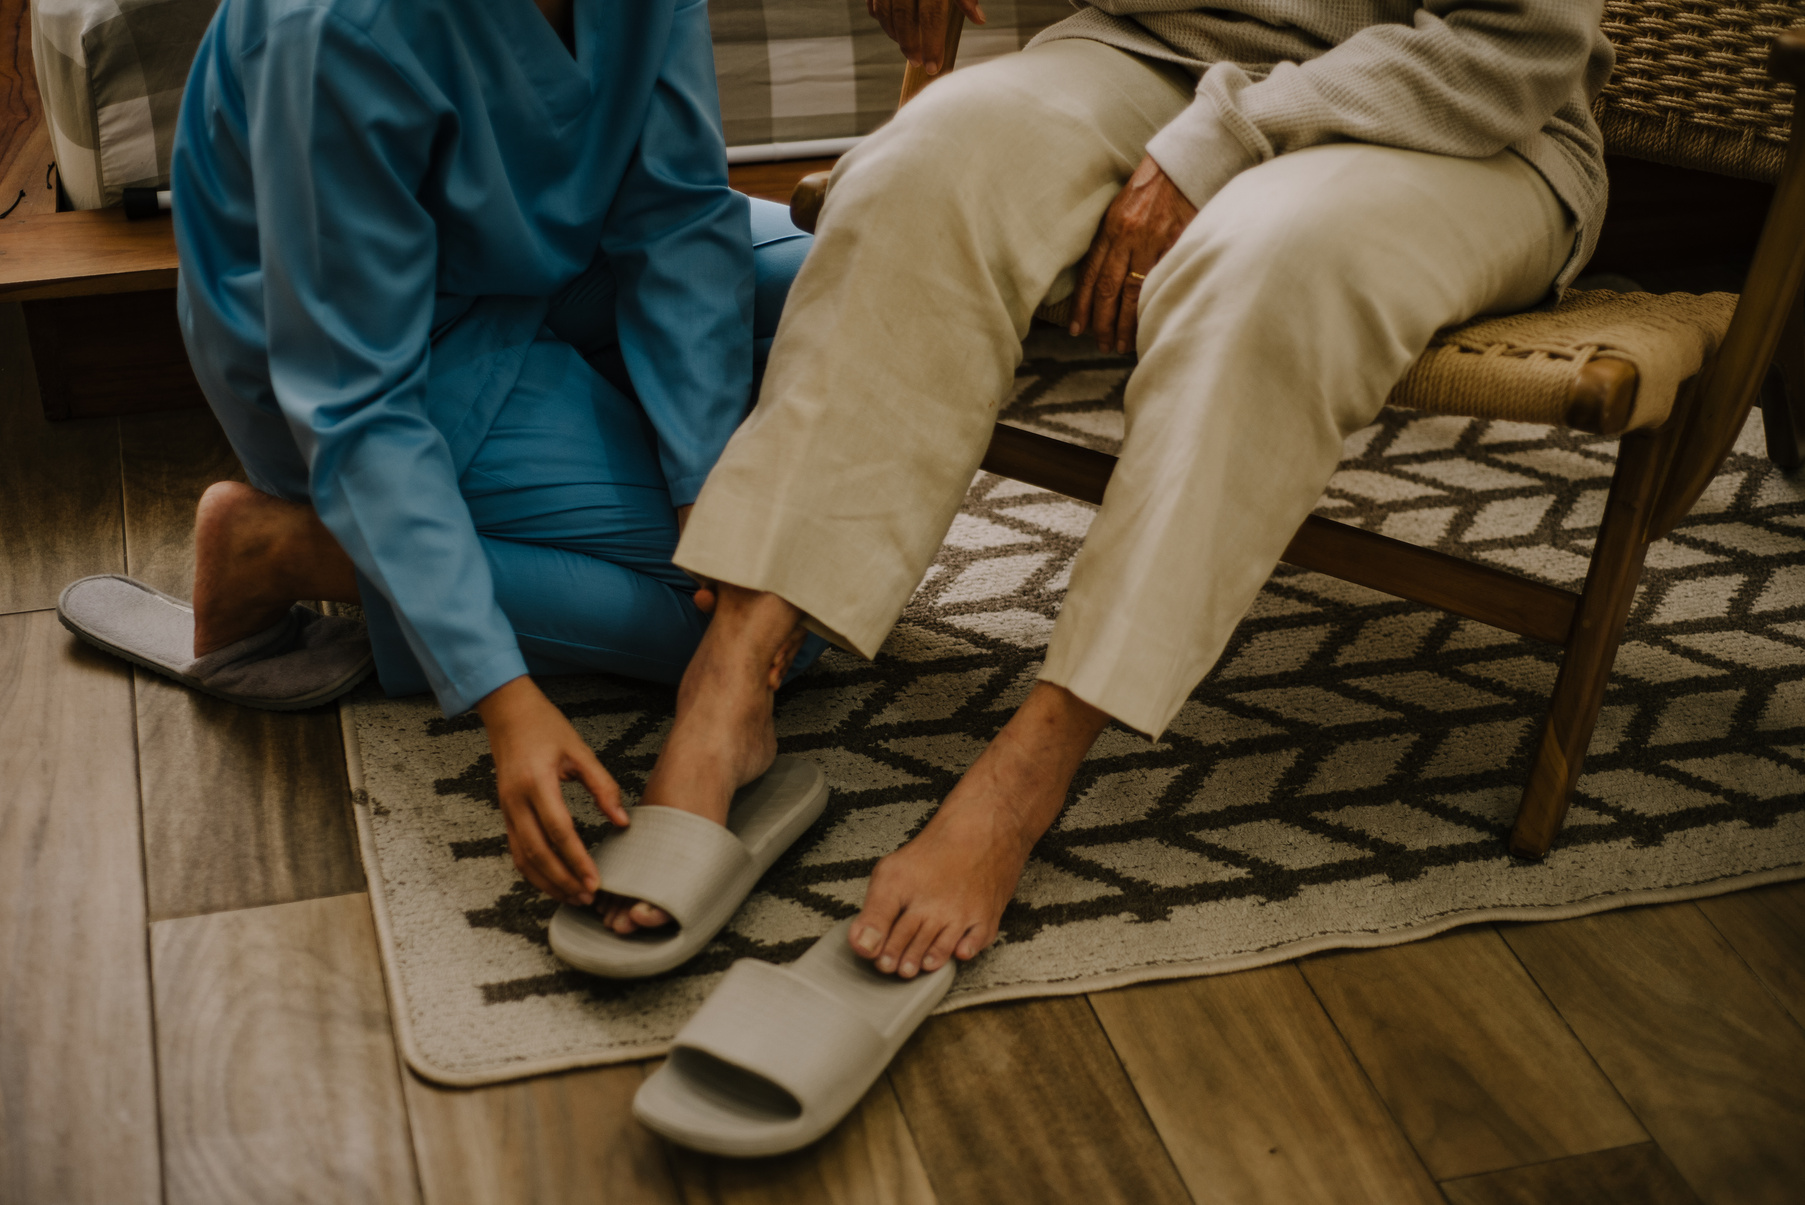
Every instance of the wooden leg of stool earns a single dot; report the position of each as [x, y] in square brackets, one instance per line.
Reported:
[1604, 608]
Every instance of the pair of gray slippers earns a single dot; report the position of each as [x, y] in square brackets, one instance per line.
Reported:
[776, 1056]
[302, 661]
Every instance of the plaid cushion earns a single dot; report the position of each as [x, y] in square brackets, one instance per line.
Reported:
[111, 73]
[800, 70]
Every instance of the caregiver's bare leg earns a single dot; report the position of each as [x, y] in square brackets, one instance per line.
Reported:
[254, 556]
[723, 737]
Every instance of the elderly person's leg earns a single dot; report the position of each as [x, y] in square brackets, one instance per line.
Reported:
[1274, 328]
[940, 235]
[899, 340]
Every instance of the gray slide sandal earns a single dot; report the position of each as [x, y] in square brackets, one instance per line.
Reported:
[776, 1056]
[691, 867]
[303, 661]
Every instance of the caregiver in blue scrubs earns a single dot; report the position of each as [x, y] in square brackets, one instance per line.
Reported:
[466, 286]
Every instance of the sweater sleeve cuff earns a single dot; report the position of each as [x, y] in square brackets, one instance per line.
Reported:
[1199, 153]
[687, 488]
[473, 684]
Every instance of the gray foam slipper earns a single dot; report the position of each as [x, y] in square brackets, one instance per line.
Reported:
[303, 661]
[691, 867]
[776, 1056]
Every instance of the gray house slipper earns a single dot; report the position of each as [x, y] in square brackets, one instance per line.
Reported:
[776, 1056]
[303, 661]
[691, 867]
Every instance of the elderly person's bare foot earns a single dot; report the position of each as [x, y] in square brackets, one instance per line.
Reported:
[942, 895]
[723, 737]
[254, 555]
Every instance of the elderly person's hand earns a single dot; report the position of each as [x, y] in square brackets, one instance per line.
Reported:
[1140, 226]
[919, 26]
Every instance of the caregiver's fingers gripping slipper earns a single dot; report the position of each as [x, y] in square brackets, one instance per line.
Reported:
[302, 661]
[693, 868]
[778, 1055]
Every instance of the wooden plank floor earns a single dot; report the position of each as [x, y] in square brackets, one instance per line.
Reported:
[191, 1008]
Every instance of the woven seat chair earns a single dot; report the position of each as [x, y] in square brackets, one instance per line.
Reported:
[1674, 375]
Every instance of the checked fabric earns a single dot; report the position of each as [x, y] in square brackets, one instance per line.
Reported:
[801, 70]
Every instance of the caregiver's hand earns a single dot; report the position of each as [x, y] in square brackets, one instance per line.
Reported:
[919, 26]
[1140, 226]
[535, 749]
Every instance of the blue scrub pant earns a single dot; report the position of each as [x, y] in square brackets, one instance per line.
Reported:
[570, 502]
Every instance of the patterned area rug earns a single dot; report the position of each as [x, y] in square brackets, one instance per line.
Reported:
[1345, 777]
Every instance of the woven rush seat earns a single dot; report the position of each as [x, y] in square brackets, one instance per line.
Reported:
[1544, 366]
[1601, 362]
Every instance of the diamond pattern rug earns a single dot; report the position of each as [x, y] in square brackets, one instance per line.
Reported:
[1345, 776]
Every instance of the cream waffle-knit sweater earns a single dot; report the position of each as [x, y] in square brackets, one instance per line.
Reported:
[1467, 78]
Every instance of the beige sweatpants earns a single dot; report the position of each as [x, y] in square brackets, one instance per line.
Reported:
[1273, 329]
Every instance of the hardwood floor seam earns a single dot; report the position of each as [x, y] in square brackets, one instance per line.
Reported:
[1009, 1102]
[908, 1126]
[1517, 1167]
[261, 907]
[1656, 995]
[76, 1067]
[1365, 1076]
[150, 979]
[156, 1065]
[1784, 1005]
[1151, 1124]
[1567, 1022]
[287, 994]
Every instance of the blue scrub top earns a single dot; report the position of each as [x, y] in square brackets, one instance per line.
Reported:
[374, 200]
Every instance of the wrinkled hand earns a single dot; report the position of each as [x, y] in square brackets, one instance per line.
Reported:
[919, 26]
[1140, 226]
[535, 749]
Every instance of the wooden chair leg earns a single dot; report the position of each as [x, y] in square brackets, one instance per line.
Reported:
[1604, 608]
[1783, 395]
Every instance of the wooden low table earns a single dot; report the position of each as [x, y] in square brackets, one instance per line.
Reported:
[99, 299]
[98, 294]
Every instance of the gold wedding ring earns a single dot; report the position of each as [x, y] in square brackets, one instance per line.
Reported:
[1137, 276]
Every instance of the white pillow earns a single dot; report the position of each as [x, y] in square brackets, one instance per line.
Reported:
[111, 73]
